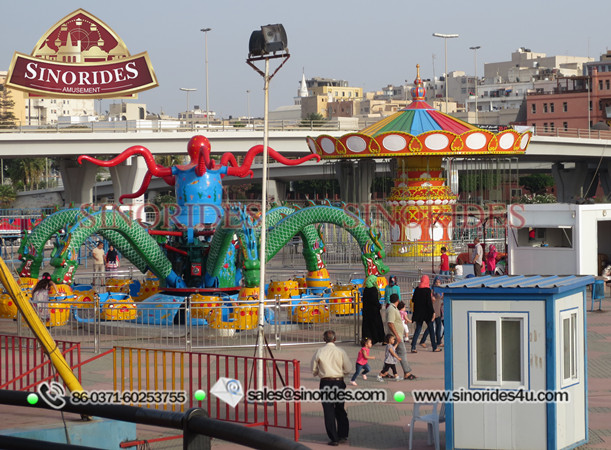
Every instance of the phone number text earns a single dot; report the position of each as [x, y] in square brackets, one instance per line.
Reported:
[128, 397]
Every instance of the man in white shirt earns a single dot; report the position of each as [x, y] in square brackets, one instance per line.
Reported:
[332, 364]
[99, 262]
[477, 258]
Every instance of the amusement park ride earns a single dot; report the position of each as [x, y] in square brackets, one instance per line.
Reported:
[212, 255]
[203, 250]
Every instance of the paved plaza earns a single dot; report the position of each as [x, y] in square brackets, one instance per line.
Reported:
[372, 425]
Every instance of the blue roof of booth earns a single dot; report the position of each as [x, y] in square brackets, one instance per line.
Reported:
[519, 284]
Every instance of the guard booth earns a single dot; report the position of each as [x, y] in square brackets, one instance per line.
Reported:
[513, 333]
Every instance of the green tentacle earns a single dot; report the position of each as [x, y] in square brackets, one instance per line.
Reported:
[132, 231]
[373, 252]
[313, 243]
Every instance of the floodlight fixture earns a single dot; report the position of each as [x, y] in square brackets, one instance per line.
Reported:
[270, 39]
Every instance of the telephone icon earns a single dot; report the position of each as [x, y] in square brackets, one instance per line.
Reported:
[53, 394]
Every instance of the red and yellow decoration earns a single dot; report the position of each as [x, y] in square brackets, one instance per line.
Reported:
[419, 137]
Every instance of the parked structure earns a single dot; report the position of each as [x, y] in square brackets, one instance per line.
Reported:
[506, 335]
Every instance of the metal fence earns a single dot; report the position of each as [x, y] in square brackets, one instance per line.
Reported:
[178, 324]
[164, 370]
[24, 362]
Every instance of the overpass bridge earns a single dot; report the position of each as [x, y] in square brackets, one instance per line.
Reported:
[575, 161]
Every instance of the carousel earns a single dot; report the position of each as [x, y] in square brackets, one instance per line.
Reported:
[419, 138]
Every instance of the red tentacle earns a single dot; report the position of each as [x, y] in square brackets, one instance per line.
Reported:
[141, 191]
[228, 160]
[244, 169]
[154, 168]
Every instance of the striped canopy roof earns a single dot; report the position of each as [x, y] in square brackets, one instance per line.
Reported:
[419, 117]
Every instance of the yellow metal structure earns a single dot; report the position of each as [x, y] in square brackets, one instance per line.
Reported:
[39, 330]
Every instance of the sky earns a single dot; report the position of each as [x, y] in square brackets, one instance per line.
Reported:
[369, 44]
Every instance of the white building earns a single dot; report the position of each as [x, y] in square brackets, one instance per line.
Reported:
[46, 111]
[559, 239]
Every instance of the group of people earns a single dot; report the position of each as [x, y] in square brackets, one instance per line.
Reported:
[331, 363]
[427, 308]
[104, 261]
[483, 264]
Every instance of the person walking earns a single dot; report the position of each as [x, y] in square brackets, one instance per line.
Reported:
[362, 361]
[372, 325]
[395, 326]
[444, 266]
[491, 260]
[99, 262]
[477, 257]
[423, 312]
[40, 297]
[390, 359]
[438, 309]
[391, 288]
[331, 364]
[112, 258]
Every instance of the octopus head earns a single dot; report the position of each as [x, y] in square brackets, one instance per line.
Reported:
[199, 152]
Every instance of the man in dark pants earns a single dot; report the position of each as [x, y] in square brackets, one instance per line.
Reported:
[332, 364]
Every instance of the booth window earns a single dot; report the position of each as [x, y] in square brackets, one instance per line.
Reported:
[546, 237]
[568, 338]
[498, 349]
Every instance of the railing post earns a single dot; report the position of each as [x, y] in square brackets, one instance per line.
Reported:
[96, 324]
[190, 440]
[356, 300]
[276, 321]
[188, 319]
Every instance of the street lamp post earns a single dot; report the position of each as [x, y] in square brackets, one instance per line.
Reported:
[270, 39]
[445, 38]
[205, 31]
[187, 90]
[248, 106]
[475, 49]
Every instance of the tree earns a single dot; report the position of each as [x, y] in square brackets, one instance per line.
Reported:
[313, 120]
[382, 185]
[26, 173]
[169, 160]
[477, 181]
[537, 183]
[314, 188]
[166, 199]
[7, 117]
[7, 195]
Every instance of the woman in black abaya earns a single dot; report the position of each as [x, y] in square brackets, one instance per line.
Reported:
[372, 327]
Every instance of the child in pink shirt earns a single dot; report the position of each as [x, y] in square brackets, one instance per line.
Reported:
[362, 361]
[405, 319]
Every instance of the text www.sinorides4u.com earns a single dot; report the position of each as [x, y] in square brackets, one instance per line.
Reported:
[327, 394]
[490, 396]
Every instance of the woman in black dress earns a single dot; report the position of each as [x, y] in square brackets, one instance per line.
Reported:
[112, 258]
[423, 312]
[372, 326]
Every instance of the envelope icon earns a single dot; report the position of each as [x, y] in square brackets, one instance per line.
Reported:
[228, 390]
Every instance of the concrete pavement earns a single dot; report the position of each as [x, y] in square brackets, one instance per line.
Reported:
[373, 425]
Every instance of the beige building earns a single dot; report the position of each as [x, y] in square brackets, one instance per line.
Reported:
[324, 91]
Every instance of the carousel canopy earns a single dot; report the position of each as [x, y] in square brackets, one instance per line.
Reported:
[419, 130]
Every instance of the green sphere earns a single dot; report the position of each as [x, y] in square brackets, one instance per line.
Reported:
[399, 396]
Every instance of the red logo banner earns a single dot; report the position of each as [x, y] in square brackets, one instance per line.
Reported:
[81, 57]
[113, 79]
